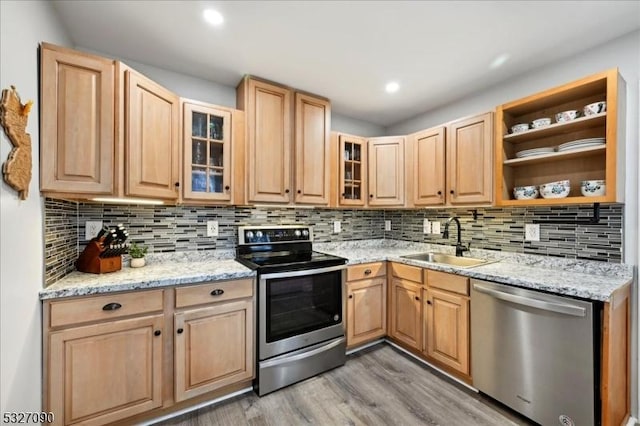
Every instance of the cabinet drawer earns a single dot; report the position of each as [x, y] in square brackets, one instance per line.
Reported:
[107, 307]
[213, 292]
[411, 273]
[448, 282]
[366, 270]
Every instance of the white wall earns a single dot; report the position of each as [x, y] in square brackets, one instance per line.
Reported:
[219, 94]
[23, 25]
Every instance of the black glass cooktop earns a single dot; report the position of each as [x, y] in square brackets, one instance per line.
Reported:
[281, 261]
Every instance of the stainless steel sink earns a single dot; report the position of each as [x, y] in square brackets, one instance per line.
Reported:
[448, 259]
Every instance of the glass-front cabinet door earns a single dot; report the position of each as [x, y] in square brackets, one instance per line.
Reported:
[207, 153]
[353, 171]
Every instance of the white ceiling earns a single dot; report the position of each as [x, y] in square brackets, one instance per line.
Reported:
[438, 51]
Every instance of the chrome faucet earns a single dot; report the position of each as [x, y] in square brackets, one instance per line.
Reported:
[460, 248]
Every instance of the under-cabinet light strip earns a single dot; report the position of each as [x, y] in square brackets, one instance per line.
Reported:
[110, 200]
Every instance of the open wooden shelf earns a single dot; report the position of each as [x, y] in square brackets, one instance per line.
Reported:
[581, 123]
[554, 201]
[556, 156]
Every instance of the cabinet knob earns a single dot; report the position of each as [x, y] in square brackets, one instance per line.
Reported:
[367, 271]
[111, 306]
[179, 331]
[370, 195]
[157, 333]
[417, 298]
[217, 292]
[299, 191]
[286, 191]
[226, 188]
[428, 302]
[452, 192]
[343, 195]
[351, 296]
[439, 192]
[177, 184]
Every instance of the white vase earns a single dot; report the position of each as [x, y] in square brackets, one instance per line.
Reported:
[137, 262]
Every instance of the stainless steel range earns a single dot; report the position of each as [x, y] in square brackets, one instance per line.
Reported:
[300, 304]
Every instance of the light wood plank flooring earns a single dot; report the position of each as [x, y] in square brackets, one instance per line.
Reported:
[377, 386]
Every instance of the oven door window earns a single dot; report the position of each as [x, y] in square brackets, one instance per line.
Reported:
[298, 305]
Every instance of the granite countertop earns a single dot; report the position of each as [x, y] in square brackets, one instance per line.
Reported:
[579, 278]
[161, 270]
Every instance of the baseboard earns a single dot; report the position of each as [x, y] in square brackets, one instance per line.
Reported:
[431, 365]
[196, 407]
[365, 346]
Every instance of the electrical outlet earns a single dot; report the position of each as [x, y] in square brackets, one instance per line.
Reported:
[532, 232]
[435, 227]
[337, 228]
[212, 228]
[426, 226]
[91, 228]
[387, 225]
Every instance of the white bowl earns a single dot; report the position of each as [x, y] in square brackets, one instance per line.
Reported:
[525, 192]
[595, 108]
[593, 188]
[559, 189]
[519, 128]
[540, 122]
[565, 116]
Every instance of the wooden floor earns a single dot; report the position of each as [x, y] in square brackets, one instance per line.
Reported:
[377, 386]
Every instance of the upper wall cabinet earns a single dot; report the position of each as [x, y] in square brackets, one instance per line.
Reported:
[312, 127]
[349, 170]
[386, 171]
[152, 141]
[470, 160]
[574, 149]
[269, 108]
[77, 136]
[451, 164]
[106, 129]
[212, 138]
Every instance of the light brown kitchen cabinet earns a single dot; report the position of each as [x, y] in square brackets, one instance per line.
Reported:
[152, 140]
[470, 160]
[425, 164]
[104, 372]
[77, 135]
[366, 303]
[386, 171]
[405, 311]
[268, 114]
[312, 127]
[212, 141]
[351, 157]
[446, 320]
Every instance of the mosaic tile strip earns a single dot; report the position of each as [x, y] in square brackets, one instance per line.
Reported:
[60, 238]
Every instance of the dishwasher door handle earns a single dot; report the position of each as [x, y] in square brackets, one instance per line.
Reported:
[563, 308]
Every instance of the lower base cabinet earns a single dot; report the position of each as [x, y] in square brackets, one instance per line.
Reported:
[108, 358]
[366, 303]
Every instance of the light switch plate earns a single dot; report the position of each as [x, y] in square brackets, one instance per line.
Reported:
[387, 225]
[532, 232]
[91, 229]
[435, 227]
[337, 227]
[212, 228]
[426, 226]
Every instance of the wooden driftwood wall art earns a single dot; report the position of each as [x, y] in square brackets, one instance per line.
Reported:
[13, 118]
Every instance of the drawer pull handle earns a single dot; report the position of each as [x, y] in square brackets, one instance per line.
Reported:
[179, 331]
[217, 292]
[111, 306]
[367, 271]
[157, 333]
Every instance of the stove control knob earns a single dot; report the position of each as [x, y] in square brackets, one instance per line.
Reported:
[259, 234]
[305, 232]
[297, 233]
[249, 235]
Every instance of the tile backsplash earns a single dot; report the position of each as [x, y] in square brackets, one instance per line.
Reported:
[180, 228]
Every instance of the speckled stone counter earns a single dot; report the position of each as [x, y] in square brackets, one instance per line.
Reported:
[161, 270]
[579, 278]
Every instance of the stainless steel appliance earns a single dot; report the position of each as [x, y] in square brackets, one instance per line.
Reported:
[536, 353]
[300, 329]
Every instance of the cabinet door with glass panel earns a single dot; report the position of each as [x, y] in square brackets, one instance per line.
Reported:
[207, 153]
[353, 171]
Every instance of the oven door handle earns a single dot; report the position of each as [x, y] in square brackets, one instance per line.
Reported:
[304, 353]
[302, 272]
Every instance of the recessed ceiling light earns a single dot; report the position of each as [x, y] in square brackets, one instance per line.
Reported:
[392, 87]
[213, 17]
[499, 61]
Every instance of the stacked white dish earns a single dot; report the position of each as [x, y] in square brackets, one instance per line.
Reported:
[581, 143]
[535, 151]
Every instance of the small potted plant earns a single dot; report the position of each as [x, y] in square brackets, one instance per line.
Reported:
[137, 255]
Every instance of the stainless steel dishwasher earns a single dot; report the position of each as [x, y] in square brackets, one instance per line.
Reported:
[536, 353]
